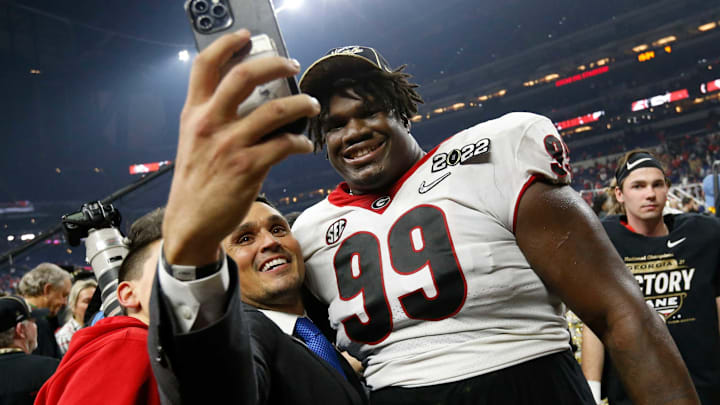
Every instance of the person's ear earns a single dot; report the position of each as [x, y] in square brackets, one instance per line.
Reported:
[126, 295]
[619, 195]
[47, 288]
[20, 332]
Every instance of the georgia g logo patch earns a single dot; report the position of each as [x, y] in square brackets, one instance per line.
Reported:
[380, 202]
[335, 231]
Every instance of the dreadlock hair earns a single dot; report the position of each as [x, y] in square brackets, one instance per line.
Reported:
[379, 90]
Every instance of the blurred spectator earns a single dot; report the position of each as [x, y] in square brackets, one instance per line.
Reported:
[689, 205]
[614, 206]
[709, 190]
[46, 286]
[8, 283]
[601, 204]
[22, 373]
[80, 295]
[108, 363]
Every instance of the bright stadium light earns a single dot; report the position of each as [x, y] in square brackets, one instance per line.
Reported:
[184, 55]
[11, 238]
[289, 5]
[27, 236]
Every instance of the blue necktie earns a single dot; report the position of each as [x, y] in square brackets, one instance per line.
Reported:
[317, 342]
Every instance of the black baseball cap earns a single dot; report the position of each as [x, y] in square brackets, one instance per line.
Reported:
[14, 309]
[341, 62]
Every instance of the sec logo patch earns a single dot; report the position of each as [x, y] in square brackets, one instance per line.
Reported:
[335, 231]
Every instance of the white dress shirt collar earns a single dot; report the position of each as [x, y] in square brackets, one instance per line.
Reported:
[284, 321]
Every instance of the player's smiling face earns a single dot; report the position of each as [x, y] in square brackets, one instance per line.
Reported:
[270, 262]
[643, 193]
[370, 148]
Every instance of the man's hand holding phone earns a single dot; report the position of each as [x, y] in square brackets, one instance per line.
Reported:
[222, 159]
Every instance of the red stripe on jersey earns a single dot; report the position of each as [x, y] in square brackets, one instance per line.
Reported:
[341, 196]
[630, 228]
[525, 186]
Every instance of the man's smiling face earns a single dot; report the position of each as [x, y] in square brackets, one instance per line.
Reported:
[270, 263]
[369, 147]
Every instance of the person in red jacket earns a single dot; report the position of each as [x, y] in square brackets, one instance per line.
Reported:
[108, 363]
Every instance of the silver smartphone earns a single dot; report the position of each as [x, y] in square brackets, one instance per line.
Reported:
[211, 19]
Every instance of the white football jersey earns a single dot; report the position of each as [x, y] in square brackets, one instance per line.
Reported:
[426, 284]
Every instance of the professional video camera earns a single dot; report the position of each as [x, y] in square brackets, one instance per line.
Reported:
[105, 246]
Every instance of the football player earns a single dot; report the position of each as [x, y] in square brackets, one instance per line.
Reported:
[446, 271]
[676, 260]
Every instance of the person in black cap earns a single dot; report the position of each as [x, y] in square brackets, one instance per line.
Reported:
[446, 271]
[22, 373]
[676, 260]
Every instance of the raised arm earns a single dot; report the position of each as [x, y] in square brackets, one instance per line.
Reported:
[222, 160]
[198, 338]
[570, 251]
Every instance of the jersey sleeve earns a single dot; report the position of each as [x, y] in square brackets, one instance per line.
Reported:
[528, 149]
[306, 233]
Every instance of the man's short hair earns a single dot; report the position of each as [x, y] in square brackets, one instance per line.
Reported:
[33, 282]
[143, 232]
[263, 199]
[386, 91]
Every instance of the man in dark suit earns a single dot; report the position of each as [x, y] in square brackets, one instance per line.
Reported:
[205, 344]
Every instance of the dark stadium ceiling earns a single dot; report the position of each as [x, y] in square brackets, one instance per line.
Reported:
[90, 87]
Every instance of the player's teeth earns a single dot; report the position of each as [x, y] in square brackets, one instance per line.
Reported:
[362, 152]
[272, 263]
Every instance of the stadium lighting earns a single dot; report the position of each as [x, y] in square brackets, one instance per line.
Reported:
[640, 48]
[10, 238]
[27, 236]
[707, 27]
[289, 5]
[665, 40]
[184, 55]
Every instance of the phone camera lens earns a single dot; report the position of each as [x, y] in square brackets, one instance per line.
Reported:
[200, 6]
[205, 23]
[218, 10]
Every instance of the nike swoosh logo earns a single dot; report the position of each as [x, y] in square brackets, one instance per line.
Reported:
[424, 188]
[672, 244]
[632, 165]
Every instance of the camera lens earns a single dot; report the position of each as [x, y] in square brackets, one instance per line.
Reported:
[200, 6]
[218, 10]
[204, 23]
